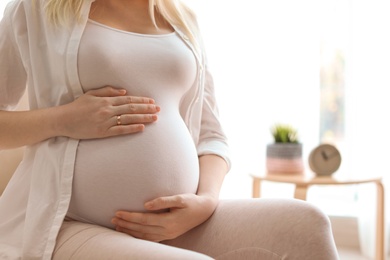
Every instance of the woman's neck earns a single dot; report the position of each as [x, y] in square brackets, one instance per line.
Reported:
[131, 16]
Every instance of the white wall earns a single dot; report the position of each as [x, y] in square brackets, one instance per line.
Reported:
[264, 56]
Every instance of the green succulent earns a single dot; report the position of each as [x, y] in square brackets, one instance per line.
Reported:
[284, 134]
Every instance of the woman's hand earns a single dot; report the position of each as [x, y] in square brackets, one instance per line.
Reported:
[98, 113]
[185, 212]
[106, 112]
[181, 212]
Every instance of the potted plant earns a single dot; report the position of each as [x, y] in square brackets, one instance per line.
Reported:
[284, 155]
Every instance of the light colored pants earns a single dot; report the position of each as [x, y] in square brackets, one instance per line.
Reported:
[239, 229]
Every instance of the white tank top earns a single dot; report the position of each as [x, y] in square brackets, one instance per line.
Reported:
[122, 173]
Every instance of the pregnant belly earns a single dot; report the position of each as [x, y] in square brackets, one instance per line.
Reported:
[122, 173]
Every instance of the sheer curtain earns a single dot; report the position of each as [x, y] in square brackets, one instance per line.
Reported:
[368, 105]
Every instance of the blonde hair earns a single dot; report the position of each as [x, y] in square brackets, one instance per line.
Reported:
[173, 11]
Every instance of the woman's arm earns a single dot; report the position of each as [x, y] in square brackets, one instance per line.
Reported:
[212, 138]
[212, 173]
[93, 115]
[186, 211]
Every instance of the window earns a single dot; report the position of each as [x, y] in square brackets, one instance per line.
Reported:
[334, 38]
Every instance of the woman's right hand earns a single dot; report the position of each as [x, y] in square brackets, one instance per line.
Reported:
[95, 114]
[106, 112]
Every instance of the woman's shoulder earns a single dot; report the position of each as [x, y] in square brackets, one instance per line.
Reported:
[11, 7]
[190, 16]
[19, 15]
[18, 9]
[15, 5]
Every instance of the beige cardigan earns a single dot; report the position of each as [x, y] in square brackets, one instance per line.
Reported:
[36, 199]
[9, 160]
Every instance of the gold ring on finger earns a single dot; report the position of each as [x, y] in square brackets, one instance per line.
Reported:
[118, 120]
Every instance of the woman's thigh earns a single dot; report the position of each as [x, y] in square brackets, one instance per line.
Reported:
[262, 229]
[83, 241]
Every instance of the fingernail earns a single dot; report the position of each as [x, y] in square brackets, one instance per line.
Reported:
[114, 221]
[158, 108]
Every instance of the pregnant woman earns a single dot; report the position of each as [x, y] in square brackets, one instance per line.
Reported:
[160, 161]
[125, 155]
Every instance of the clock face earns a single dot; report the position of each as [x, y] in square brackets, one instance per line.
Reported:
[325, 159]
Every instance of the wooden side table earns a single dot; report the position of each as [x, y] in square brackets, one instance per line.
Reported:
[302, 182]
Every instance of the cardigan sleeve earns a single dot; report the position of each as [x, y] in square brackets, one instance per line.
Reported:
[12, 72]
[212, 138]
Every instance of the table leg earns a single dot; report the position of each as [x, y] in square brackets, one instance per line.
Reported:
[300, 191]
[380, 222]
[256, 192]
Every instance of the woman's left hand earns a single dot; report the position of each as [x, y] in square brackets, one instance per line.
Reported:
[185, 212]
